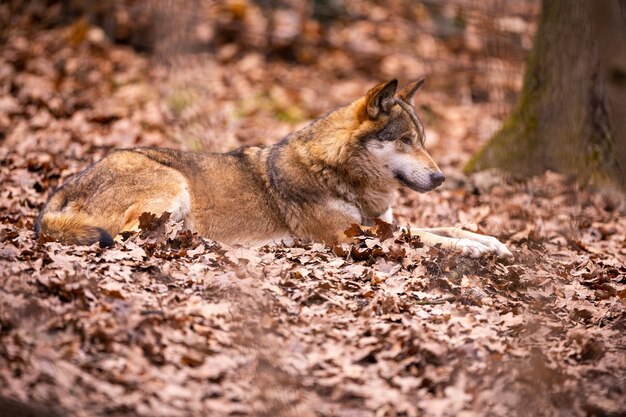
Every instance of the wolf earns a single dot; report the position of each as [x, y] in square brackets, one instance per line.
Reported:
[341, 169]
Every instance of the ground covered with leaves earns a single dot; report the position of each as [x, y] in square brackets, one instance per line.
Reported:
[170, 324]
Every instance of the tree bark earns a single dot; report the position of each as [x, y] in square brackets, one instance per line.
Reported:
[570, 116]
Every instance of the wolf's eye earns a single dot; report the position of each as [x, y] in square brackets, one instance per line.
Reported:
[407, 140]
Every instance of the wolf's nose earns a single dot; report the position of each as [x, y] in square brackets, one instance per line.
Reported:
[437, 178]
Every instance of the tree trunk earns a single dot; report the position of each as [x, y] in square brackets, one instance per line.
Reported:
[570, 117]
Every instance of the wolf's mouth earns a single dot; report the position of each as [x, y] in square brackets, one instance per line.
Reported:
[410, 184]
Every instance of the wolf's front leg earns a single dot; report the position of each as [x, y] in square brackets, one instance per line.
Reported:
[472, 244]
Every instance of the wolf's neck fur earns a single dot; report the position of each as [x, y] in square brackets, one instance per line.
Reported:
[327, 141]
[328, 151]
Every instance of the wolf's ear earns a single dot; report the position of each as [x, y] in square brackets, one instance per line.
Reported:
[380, 98]
[409, 90]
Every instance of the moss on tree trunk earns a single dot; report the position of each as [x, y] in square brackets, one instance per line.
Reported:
[562, 121]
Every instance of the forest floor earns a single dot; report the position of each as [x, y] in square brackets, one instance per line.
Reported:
[170, 324]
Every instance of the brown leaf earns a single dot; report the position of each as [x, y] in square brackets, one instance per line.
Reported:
[384, 230]
[150, 222]
[353, 231]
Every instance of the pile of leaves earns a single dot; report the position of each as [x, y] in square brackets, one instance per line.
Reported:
[167, 323]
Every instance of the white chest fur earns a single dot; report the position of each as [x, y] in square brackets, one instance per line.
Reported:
[387, 216]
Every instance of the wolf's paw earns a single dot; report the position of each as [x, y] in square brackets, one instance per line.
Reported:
[471, 247]
[494, 245]
[479, 245]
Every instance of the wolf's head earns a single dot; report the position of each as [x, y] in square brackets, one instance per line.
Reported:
[390, 136]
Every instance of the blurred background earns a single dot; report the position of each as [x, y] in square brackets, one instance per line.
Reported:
[212, 75]
[109, 334]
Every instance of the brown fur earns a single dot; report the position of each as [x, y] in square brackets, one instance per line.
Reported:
[313, 184]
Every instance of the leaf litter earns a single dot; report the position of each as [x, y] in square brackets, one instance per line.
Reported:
[169, 323]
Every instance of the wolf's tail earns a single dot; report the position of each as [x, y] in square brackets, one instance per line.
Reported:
[71, 228]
